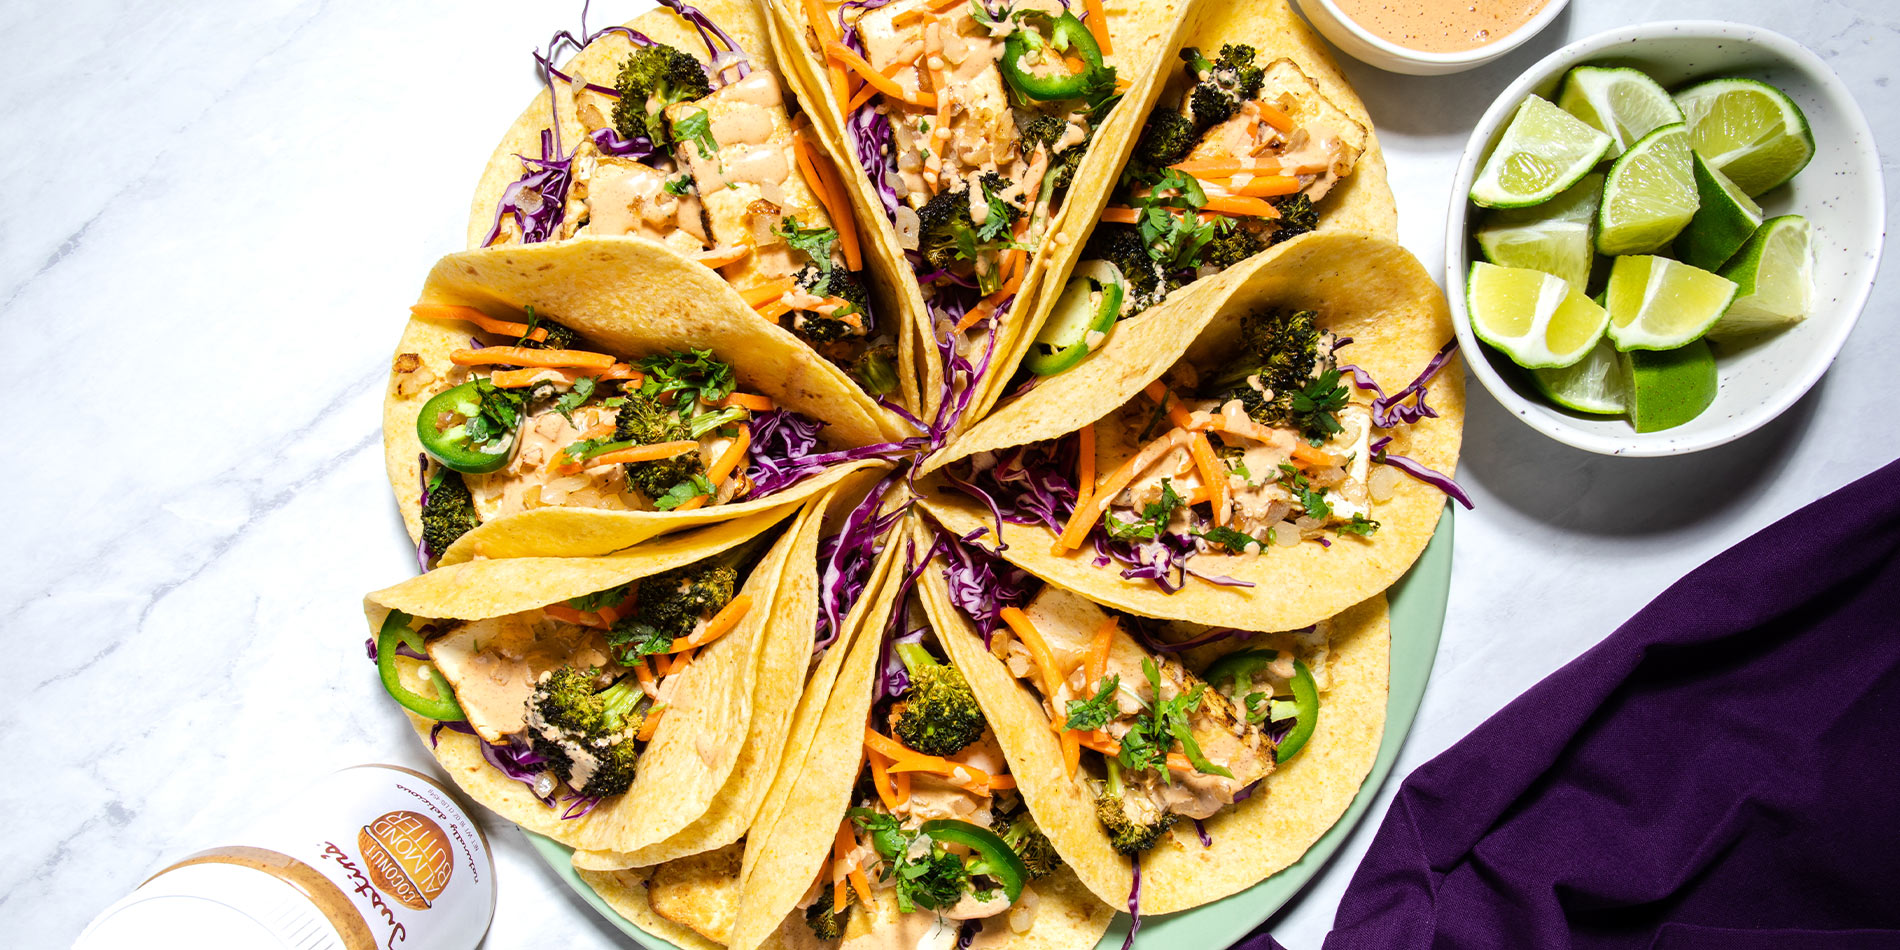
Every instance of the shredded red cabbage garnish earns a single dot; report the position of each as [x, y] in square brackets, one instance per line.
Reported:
[516, 759]
[893, 679]
[1207, 840]
[981, 584]
[1436, 479]
[1390, 411]
[967, 930]
[1247, 792]
[577, 806]
[423, 554]
[845, 558]
[784, 451]
[610, 143]
[538, 199]
[1134, 905]
[725, 53]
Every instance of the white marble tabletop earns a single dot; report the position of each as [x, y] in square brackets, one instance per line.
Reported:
[228, 207]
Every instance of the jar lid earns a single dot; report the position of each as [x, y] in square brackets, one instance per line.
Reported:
[212, 907]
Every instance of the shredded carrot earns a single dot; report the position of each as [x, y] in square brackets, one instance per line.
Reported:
[1038, 649]
[1101, 742]
[988, 305]
[838, 206]
[808, 170]
[652, 722]
[1312, 456]
[522, 356]
[1268, 186]
[517, 378]
[888, 747]
[1213, 474]
[770, 290]
[1177, 413]
[1098, 25]
[881, 780]
[718, 257]
[865, 94]
[579, 618]
[643, 671]
[774, 310]
[747, 401]
[677, 662]
[643, 453]
[902, 780]
[1212, 169]
[480, 319]
[728, 461]
[1198, 496]
[850, 59]
[1086, 513]
[1085, 464]
[692, 504]
[908, 16]
[1273, 116]
[843, 844]
[1241, 206]
[1095, 664]
[859, 883]
[827, 34]
[721, 622]
[1071, 751]
[944, 6]
[1120, 215]
[1075, 65]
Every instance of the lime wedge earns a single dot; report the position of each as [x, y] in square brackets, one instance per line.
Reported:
[1544, 151]
[1659, 304]
[1650, 194]
[1536, 319]
[1553, 237]
[1748, 130]
[1723, 221]
[1670, 388]
[1774, 279]
[1598, 384]
[1624, 102]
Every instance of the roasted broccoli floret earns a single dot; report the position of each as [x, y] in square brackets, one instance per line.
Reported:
[449, 512]
[1220, 87]
[644, 421]
[1134, 822]
[669, 605]
[876, 369]
[825, 922]
[1296, 217]
[1019, 831]
[1122, 246]
[946, 231]
[938, 714]
[559, 337]
[1167, 138]
[586, 733]
[1282, 349]
[846, 322]
[653, 78]
[1040, 129]
[1047, 130]
[1231, 245]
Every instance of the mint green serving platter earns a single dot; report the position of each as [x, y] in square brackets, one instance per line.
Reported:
[1418, 617]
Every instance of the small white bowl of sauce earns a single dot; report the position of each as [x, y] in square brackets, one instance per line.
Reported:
[1429, 37]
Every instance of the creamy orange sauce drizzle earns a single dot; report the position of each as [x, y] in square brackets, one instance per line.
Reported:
[1441, 26]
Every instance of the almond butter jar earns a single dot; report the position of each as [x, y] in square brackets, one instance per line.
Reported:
[374, 856]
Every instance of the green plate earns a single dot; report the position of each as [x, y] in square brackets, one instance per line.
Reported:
[1418, 616]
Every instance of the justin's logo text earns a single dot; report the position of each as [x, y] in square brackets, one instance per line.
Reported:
[407, 857]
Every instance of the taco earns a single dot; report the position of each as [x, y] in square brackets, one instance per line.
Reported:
[1265, 452]
[983, 133]
[904, 827]
[1171, 763]
[608, 702]
[568, 399]
[1255, 139]
[676, 130]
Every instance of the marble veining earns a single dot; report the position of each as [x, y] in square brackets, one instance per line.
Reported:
[216, 217]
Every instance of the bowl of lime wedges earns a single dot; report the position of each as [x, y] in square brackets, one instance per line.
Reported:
[1661, 236]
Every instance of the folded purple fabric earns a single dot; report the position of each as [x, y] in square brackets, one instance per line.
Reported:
[1722, 772]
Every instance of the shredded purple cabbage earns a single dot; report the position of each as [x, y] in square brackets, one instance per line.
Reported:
[872, 139]
[960, 376]
[516, 759]
[731, 55]
[1134, 905]
[578, 806]
[538, 199]
[610, 143]
[1390, 411]
[1417, 470]
[402, 649]
[966, 931]
[845, 558]
[1200, 828]
[423, 554]
[1247, 792]
[981, 584]
[784, 451]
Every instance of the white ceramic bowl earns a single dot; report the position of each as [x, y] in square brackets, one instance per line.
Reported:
[1374, 50]
[1840, 192]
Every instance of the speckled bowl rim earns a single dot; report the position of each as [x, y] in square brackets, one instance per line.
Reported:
[1458, 243]
[1462, 59]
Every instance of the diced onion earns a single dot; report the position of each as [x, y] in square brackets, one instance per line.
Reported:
[1382, 483]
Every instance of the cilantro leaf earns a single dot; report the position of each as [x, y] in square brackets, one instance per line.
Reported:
[697, 128]
[600, 598]
[1094, 713]
[574, 398]
[1316, 408]
[1359, 525]
[1232, 540]
[679, 186]
[683, 492]
[691, 375]
[816, 243]
[637, 639]
[1154, 517]
[1310, 498]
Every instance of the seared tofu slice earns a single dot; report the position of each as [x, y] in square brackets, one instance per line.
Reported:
[701, 891]
[749, 181]
[493, 664]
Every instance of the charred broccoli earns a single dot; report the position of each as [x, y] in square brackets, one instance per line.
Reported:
[939, 714]
[448, 513]
[1046, 131]
[1296, 218]
[1134, 822]
[1231, 245]
[653, 78]
[643, 421]
[1122, 246]
[1167, 138]
[825, 922]
[586, 733]
[1040, 129]
[876, 369]
[843, 323]
[1284, 350]
[1019, 831]
[559, 337]
[669, 605]
[1220, 87]
[947, 233]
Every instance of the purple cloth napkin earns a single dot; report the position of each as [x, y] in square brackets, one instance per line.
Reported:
[1721, 772]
